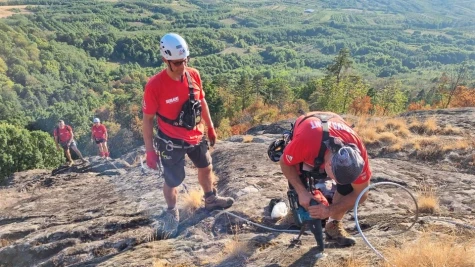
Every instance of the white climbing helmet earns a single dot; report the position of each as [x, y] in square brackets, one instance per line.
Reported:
[173, 47]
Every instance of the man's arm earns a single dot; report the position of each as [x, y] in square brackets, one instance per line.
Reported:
[345, 203]
[72, 135]
[147, 131]
[56, 140]
[205, 113]
[105, 131]
[341, 204]
[290, 172]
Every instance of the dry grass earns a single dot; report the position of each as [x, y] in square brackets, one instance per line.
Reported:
[247, 138]
[388, 137]
[432, 251]
[236, 248]
[427, 200]
[451, 130]
[388, 131]
[165, 263]
[428, 148]
[428, 127]
[5, 242]
[462, 144]
[352, 261]
[395, 135]
[396, 147]
[192, 201]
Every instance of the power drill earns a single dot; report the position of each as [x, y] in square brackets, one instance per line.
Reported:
[301, 216]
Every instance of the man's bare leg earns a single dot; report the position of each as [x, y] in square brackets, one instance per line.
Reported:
[205, 178]
[170, 194]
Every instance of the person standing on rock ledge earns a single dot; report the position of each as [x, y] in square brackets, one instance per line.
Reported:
[99, 136]
[175, 95]
[325, 144]
[64, 136]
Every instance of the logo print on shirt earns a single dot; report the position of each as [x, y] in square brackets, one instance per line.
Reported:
[315, 124]
[144, 105]
[289, 158]
[172, 100]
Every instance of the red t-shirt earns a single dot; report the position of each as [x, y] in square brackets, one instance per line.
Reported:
[307, 137]
[99, 131]
[64, 133]
[166, 96]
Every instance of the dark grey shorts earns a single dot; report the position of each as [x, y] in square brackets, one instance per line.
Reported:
[173, 159]
[65, 145]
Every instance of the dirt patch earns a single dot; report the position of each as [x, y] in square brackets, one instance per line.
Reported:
[6, 11]
[237, 50]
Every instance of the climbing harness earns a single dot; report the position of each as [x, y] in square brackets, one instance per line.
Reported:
[169, 145]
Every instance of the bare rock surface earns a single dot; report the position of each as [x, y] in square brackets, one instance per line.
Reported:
[101, 213]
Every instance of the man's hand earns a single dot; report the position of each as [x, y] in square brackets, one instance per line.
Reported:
[319, 211]
[152, 159]
[304, 199]
[57, 147]
[211, 136]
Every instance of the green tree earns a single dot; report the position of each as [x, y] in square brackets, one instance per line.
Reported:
[341, 62]
[23, 150]
[391, 98]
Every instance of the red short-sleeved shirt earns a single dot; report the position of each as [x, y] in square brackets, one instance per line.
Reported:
[307, 137]
[166, 96]
[64, 133]
[99, 131]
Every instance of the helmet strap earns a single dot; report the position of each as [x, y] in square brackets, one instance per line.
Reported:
[169, 65]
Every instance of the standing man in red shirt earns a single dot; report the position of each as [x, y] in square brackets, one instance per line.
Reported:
[326, 144]
[99, 135]
[64, 136]
[175, 95]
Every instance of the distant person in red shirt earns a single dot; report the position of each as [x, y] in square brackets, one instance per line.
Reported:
[64, 136]
[175, 95]
[345, 161]
[99, 135]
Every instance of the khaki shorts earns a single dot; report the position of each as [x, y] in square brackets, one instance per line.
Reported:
[173, 158]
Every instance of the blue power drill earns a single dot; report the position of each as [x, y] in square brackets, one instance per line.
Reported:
[302, 217]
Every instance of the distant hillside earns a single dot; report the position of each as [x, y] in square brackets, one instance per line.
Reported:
[76, 60]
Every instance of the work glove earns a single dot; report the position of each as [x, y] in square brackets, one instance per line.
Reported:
[318, 195]
[152, 159]
[211, 136]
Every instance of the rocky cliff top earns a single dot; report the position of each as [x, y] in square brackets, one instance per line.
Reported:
[100, 214]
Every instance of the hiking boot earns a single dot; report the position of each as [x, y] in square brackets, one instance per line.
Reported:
[84, 161]
[216, 202]
[168, 224]
[70, 163]
[334, 231]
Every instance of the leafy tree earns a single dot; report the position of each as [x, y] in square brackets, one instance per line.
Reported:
[23, 150]
[391, 98]
[243, 90]
[342, 61]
